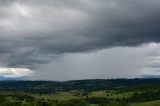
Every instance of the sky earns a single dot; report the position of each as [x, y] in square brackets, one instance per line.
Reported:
[79, 39]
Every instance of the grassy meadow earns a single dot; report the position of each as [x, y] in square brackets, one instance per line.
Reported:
[81, 93]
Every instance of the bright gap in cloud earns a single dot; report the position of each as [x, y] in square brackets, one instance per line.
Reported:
[151, 71]
[152, 64]
[15, 72]
[22, 10]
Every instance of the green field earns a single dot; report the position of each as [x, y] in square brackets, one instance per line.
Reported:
[81, 93]
[152, 103]
[94, 98]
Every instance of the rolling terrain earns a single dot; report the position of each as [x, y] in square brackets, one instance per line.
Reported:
[93, 92]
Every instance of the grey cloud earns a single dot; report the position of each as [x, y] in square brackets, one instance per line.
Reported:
[34, 31]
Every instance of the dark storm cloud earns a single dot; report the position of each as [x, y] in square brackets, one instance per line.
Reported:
[34, 31]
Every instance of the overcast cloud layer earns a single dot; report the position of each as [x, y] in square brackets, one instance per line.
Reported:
[37, 32]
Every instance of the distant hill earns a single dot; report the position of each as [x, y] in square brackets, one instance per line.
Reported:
[92, 84]
[2, 78]
[151, 76]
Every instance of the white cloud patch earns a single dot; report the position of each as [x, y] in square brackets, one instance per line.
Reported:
[152, 63]
[15, 72]
[22, 10]
[151, 71]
